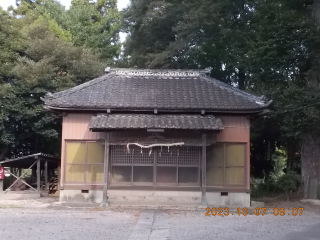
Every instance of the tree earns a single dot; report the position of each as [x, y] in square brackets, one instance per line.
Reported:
[150, 25]
[96, 26]
[264, 47]
[10, 46]
[93, 25]
[37, 70]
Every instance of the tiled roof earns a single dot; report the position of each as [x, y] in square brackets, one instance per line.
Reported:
[144, 121]
[127, 89]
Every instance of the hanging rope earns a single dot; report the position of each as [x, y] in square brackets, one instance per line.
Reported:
[155, 145]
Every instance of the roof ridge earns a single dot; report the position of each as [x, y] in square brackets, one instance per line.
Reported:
[157, 72]
[258, 100]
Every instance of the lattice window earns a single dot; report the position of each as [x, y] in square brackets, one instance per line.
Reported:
[120, 155]
[189, 156]
[142, 156]
[157, 165]
[167, 155]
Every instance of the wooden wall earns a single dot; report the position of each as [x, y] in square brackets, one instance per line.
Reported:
[237, 129]
[75, 127]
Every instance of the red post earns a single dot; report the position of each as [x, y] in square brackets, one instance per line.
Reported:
[1, 173]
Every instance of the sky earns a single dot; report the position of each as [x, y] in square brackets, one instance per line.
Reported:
[6, 3]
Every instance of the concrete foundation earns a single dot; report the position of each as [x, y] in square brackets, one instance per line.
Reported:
[233, 199]
[127, 197]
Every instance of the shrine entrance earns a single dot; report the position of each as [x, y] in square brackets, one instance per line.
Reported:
[156, 166]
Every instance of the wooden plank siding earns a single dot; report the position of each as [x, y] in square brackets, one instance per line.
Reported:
[237, 129]
[75, 127]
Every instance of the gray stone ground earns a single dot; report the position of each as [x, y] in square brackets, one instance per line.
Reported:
[47, 220]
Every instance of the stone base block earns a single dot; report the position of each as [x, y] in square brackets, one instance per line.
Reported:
[160, 198]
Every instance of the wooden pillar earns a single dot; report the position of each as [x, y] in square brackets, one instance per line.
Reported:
[46, 175]
[1, 182]
[38, 175]
[203, 169]
[106, 170]
[19, 172]
[11, 177]
[59, 176]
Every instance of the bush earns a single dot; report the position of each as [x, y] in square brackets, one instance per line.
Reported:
[266, 188]
[289, 182]
[286, 183]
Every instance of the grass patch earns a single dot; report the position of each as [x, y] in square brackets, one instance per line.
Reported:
[98, 209]
[9, 206]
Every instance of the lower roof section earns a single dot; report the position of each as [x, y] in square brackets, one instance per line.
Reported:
[26, 161]
[153, 121]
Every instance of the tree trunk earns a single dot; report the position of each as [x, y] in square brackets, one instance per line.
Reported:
[290, 158]
[241, 79]
[310, 167]
[310, 148]
[3, 153]
[314, 73]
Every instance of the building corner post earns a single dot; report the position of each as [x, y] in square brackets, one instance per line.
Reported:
[1, 181]
[203, 170]
[106, 170]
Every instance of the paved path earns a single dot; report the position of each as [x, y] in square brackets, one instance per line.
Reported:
[310, 233]
[151, 226]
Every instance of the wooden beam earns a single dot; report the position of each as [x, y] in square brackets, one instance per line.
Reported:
[204, 169]
[46, 175]
[20, 176]
[38, 175]
[106, 170]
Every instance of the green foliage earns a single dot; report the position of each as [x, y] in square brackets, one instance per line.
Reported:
[9, 45]
[279, 159]
[9, 48]
[54, 27]
[44, 59]
[289, 182]
[261, 188]
[95, 26]
[90, 25]
[275, 185]
[151, 27]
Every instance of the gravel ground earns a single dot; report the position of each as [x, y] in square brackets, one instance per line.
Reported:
[32, 219]
[193, 225]
[46, 219]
